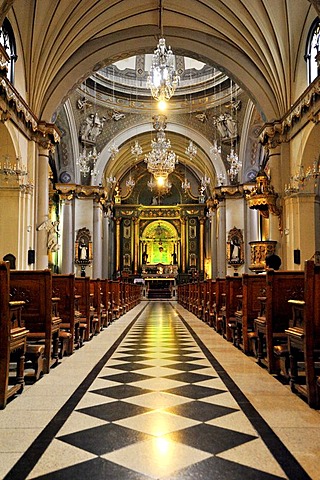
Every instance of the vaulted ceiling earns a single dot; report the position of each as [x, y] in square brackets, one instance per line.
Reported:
[259, 43]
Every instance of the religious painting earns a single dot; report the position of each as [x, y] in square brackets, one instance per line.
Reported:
[235, 247]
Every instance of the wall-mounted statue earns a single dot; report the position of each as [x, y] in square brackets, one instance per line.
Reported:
[235, 247]
[83, 247]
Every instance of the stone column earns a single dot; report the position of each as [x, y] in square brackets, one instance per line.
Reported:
[67, 264]
[106, 246]
[117, 240]
[183, 245]
[111, 252]
[42, 195]
[213, 242]
[97, 239]
[221, 246]
[252, 219]
[201, 243]
[136, 245]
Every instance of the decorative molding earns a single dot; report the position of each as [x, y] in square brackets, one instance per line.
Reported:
[307, 106]
[40, 128]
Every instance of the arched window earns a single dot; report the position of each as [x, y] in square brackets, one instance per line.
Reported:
[313, 50]
[8, 41]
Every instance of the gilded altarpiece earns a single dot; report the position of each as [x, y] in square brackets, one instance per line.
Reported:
[156, 237]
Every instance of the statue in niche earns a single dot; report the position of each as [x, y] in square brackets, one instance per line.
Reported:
[235, 247]
[83, 251]
[83, 247]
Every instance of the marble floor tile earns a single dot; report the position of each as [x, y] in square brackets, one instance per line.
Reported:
[158, 395]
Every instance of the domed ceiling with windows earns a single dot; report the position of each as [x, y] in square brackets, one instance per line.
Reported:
[203, 124]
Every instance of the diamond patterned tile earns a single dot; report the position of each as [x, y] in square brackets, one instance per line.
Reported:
[189, 377]
[157, 423]
[184, 358]
[158, 410]
[129, 367]
[219, 469]
[159, 371]
[103, 439]
[201, 411]
[95, 470]
[133, 358]
[157, 400]
[209, 438]
[127, 377]
[114, 411]
[157, 457]
[121, 391]
[194, 391]
[187, 367]
[158, 384]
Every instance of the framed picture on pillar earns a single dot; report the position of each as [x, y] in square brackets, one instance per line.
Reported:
[83, 247]
[235, 248]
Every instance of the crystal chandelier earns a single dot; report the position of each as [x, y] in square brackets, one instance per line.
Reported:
[136, 151]
[161, 161]
[191, 150]
[113, 149]
[235, 164]
[111, 180]
[302, 178]
[205, 181]
[185, 185]
[215, 150]
[83, 163]
[9, 169]
[162, 79]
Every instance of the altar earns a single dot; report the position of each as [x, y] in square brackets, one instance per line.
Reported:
[160, 281]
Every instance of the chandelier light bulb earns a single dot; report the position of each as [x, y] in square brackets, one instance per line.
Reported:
[163, 79]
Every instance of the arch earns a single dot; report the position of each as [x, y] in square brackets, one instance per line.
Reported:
[114, 166]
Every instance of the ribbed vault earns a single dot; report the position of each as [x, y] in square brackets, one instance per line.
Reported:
[248, 40]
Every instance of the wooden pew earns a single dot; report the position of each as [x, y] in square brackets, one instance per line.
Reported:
[281, 286]
[253, 287]
[96, 300]
[220, 304]
[106, 301]
[211, 303]
[116, 306]
[13, 340]
[304, 338]
[34, 287]
[63, 287]
[84, 312]
[233, 291]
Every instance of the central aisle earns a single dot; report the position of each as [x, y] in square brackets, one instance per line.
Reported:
[157, 407]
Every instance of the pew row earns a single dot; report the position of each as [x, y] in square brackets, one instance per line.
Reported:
[304, 338]
[35, 289]
[273, 320]
[13, 341]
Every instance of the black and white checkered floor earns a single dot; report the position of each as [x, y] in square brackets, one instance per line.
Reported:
[157, 405]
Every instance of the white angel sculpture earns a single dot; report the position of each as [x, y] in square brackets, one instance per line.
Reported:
[52, 229]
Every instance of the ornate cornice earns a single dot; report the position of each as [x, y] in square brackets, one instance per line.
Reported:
[306, 108]
[14, 104]
[71, 190]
